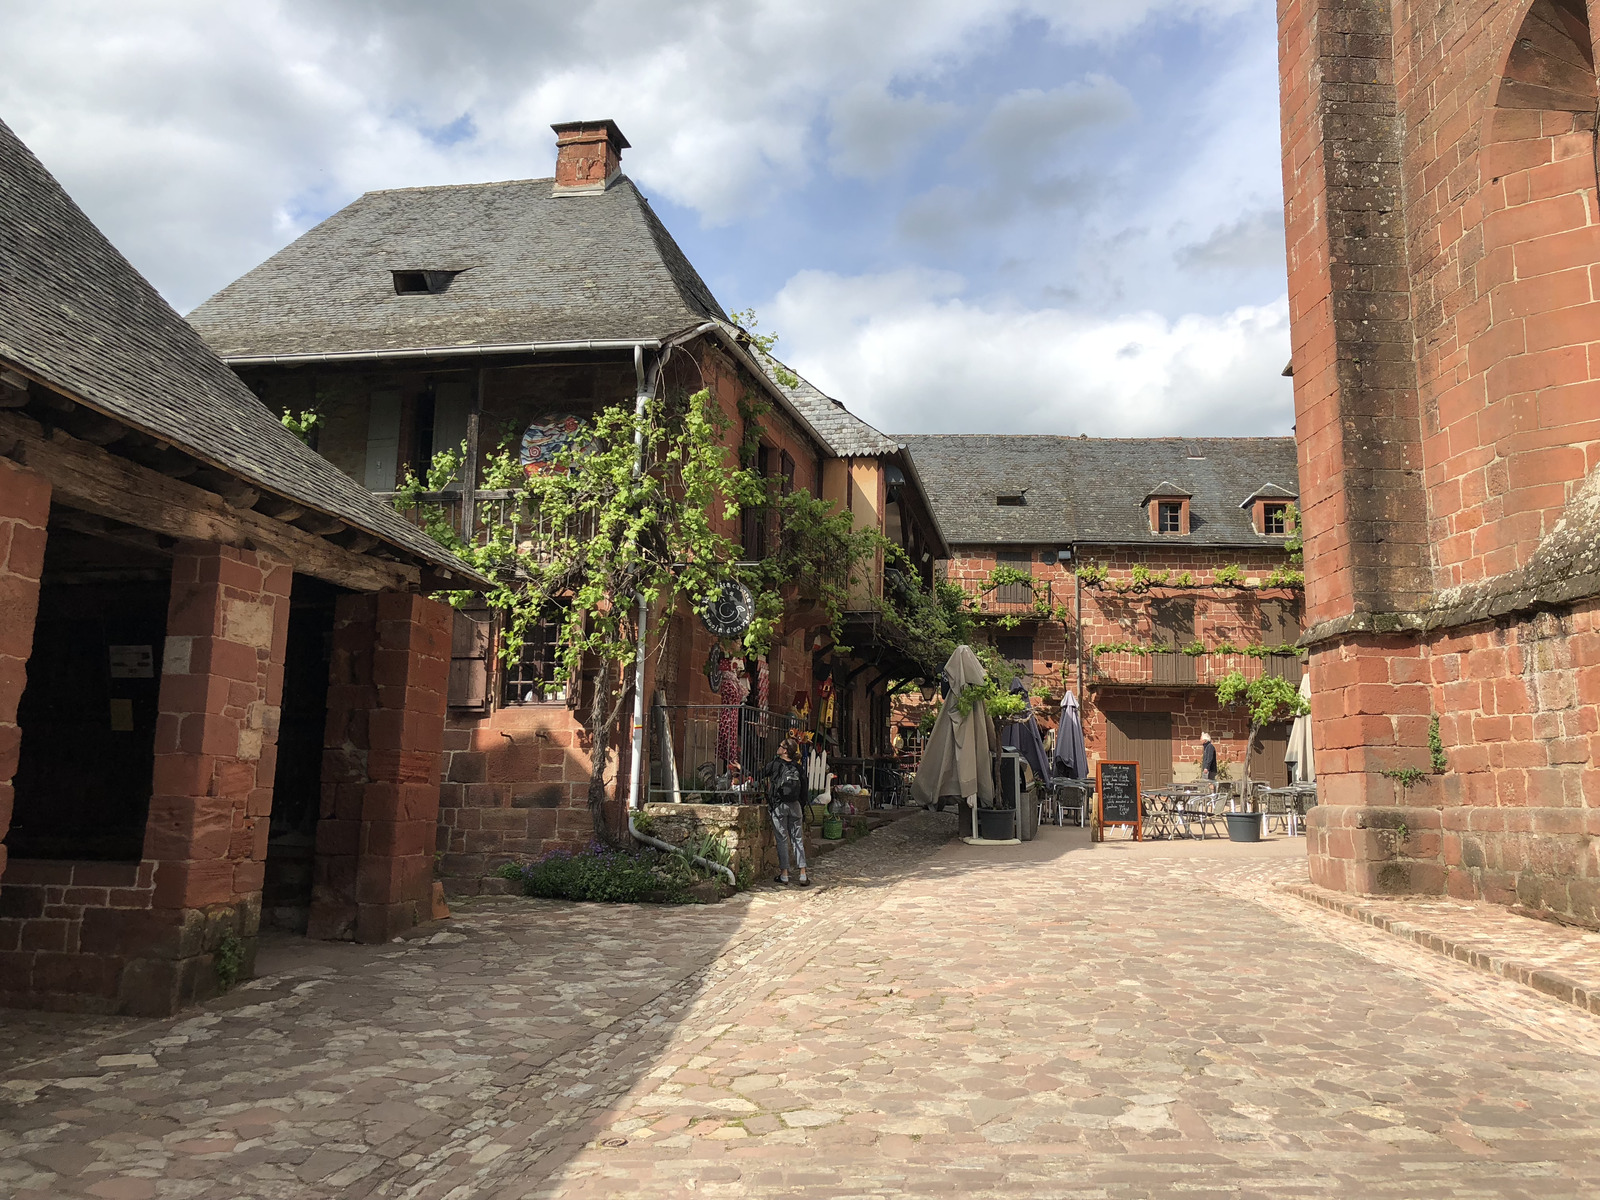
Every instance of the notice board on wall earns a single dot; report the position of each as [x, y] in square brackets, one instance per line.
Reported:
[1119, 795]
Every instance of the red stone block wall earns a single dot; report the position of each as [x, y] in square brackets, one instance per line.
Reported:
[373, 871]
[24, 513]
[143, 937]
[1444, 239]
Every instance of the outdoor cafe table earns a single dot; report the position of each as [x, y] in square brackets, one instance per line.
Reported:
[1159, 812]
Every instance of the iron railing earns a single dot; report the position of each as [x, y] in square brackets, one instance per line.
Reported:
[694, 750]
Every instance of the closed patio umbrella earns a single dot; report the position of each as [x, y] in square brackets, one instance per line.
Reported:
[1300, 754]
[957, 760]
[1070, 756]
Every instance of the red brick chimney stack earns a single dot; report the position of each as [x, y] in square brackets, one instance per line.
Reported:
[588, 156]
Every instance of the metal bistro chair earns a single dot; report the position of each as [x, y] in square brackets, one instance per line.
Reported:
[1059, 795]
[1202, 809]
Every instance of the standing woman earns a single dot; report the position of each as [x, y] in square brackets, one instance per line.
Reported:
[786, 794]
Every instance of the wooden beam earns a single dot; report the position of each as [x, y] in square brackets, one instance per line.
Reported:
[87, 477]
[110, 531]
[278, 508]
[319, 525]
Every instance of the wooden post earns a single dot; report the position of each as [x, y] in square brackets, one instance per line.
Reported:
[469, 469]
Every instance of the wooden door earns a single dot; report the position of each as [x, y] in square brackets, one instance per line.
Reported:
[1266, 761]
[1144, 738]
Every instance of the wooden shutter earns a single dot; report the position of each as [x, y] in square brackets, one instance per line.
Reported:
[452, 401]
[1280, 626]
[470, 646]
[383, 441]
[1173, 620]
[1015, 593]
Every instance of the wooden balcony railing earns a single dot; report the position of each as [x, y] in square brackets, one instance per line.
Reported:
[1177, 669]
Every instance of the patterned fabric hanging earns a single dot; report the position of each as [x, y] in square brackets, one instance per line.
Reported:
[735, 687]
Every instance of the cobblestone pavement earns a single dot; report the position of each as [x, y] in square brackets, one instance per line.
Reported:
[1052, 1020]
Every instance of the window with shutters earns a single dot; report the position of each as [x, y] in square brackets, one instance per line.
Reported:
[1017, 650]
[1015, 593]
[1172, 619]
[1280, 626]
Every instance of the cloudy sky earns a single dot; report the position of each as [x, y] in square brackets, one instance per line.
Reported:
[1054, 216]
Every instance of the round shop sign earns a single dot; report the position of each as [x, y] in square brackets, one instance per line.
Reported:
[730, 612]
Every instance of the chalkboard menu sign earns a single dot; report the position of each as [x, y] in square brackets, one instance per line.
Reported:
[1119, 795]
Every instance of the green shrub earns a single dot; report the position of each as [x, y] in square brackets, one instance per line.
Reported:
[606, 875]
[229, 960]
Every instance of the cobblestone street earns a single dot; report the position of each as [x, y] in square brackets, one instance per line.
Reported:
[1052, 1020]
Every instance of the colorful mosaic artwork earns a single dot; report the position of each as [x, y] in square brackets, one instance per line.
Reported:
[546, 438]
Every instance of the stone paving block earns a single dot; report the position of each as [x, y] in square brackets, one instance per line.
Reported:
[1118, 1021]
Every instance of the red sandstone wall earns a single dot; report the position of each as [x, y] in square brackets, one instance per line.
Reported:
[24, 513]
[1439, 166]
[373, 872]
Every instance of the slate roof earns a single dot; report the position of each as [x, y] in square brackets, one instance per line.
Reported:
[534, 268]
[1093, 489]
[76, 315]
[845, 434]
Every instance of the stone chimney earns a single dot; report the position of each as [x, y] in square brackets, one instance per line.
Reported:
[588, 156]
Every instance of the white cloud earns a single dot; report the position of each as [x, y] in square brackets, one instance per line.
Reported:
[910, 355]
[201, 135]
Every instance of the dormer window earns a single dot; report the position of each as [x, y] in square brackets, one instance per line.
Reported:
[422, 283]
[1268, 506]
[1168, 507]
[1012, 500]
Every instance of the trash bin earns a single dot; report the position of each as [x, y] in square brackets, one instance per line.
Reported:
[1025, 803]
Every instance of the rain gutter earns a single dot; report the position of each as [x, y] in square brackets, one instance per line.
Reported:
[336, 356]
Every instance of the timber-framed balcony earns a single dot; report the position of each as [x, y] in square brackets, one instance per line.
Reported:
[1175, 669]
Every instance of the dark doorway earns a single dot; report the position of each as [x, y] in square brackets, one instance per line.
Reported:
[88, 713]
[1144, 738]
[297, 780]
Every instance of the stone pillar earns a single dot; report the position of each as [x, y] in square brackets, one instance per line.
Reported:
[24, 513]
[380, 774]
[216, 745]
[1359, 432]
